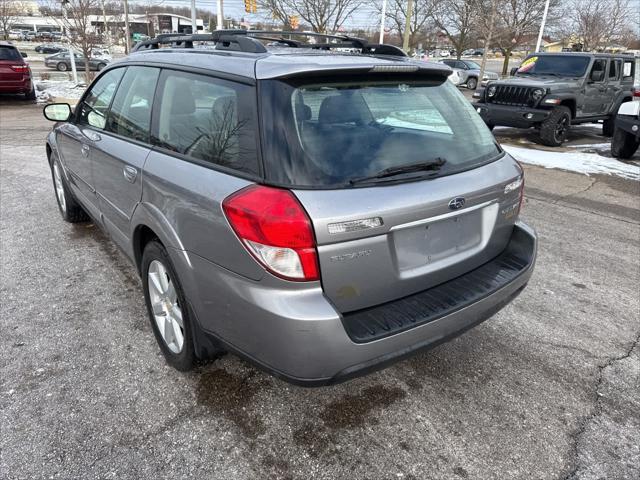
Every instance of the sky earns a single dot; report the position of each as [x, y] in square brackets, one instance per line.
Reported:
[366, 17]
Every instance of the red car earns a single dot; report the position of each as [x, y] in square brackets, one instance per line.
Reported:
[15, 74]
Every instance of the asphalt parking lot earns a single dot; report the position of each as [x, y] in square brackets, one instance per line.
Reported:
[546, 389]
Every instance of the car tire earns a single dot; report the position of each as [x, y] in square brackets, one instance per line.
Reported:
[69, 208]
[31, 96]
[101, 66]
[62, 67]
[623, 144]
[608, 126]
[472, 83]
[554, 130]
[167, 307]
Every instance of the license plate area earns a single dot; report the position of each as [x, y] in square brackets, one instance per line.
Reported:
[432, 244]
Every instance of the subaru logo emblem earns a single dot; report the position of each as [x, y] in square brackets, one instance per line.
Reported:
[456, 203]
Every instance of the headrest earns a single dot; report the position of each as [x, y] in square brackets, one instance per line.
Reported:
[182, 102]
[343, 108]
[303, 112]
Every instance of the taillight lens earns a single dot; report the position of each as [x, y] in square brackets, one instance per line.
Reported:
[636, 92]
[275, 229]
[20, 68]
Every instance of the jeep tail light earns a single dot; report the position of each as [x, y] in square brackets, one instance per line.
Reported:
[275, 229]
[636, 92]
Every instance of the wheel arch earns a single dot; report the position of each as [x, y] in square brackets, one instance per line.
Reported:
[570, 103]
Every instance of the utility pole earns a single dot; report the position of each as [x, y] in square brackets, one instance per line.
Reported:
[487, 43]
[194, 22]
[382, 19]
[544, 20]
[106, 26]
[219, 19]
[127, 34]
[407, 26]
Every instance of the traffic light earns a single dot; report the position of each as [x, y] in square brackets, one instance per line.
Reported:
[251, 6]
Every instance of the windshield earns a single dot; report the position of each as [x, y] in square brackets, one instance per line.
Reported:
[563, 65]
[472, 65]
[328, 134]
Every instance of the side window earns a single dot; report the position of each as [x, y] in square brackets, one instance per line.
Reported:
[598, 70]
[461, 65]
[130, 114]
[93, 109]
[614, 69]
[208, 119]
[628, 69]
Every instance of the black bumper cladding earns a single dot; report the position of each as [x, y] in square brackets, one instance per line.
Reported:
[418, 309]
[627, 123]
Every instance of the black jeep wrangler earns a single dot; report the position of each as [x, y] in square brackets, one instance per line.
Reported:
[552, 91]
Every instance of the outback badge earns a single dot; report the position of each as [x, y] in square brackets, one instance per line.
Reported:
[456, 203]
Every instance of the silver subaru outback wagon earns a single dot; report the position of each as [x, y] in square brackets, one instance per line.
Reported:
[319, 212]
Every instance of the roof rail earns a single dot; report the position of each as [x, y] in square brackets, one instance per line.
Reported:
[249, 41]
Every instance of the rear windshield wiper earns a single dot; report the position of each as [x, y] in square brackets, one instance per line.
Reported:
[434, 164]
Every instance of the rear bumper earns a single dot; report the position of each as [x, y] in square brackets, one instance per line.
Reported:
[504, 115]
[17, 86]
[297, 335]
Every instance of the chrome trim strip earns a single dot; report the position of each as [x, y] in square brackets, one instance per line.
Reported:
[444, 216]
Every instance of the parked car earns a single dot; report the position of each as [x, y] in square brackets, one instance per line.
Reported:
[62, 62]
[469, 72]
[552, 91]
[626, 135]
[49, 48]
[320, 218]
[16, 35]
[30, 36]
[15, 74]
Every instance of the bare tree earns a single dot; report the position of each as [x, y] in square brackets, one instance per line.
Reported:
[518, 21]
[457, 19]
[421, 17]
[76, 21]
[595, 24]
[9, 10]
[324, 16]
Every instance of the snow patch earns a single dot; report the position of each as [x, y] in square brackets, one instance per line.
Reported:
[49, 90]
[580, 162]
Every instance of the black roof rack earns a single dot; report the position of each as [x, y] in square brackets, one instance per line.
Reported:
[249, 41]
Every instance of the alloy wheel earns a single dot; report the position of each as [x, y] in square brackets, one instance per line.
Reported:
[165, 306]
[57, 179]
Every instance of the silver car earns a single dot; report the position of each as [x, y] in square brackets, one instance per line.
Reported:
[319, 213]
[469, 72]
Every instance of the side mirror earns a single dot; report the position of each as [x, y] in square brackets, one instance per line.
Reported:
[57, 112]
[513, 71]
[597, 76]
[24, 55]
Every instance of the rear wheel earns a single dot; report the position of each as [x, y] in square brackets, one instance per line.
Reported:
[69, 208]
[472, 83]
[101, 66]
[31, 95]
[623, 144]
[62, 67]
[167, 307]
[554, 130]
[608, 126]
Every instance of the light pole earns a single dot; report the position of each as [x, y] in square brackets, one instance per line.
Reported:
[544, 20]
[72, 57]
[194, 22]
[382, 18]
[126, 27]
[219, 22]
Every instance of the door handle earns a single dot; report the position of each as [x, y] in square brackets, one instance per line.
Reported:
[130, 173]
[93, 136]
[85, 150]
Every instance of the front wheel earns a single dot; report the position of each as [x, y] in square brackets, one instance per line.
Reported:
[69, 208]
[62, 67]
[101, 66]
[472, 83]
[167, 307]
[554, 130]
[623, 144]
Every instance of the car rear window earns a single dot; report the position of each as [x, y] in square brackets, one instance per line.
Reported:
[326, 134]
[9, 53]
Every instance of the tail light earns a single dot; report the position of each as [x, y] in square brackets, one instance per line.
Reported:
[275, 229]
[636, 92]
[20, 68]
